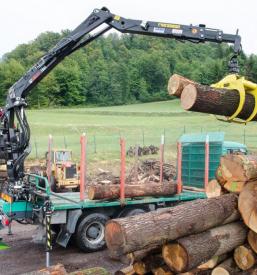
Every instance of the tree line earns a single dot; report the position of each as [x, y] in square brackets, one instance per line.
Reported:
[117, 69]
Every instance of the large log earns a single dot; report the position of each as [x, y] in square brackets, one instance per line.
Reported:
[252, 240]
[239, 167]
[188, 252]
[162, 270]
[228, 267]
[134, 233]
[98, 192]
[247, 204]
[244, 257]
[177, 83]
[224, 102]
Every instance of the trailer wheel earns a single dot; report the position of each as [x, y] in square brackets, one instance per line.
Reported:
[89, 235]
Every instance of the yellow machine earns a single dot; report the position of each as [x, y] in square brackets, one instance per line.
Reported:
[64, 173]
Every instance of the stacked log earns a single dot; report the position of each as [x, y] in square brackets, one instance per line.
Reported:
[98, 192]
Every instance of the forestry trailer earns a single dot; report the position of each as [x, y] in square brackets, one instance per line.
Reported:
[29, 198]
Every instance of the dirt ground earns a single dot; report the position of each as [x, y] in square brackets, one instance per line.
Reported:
[25, 256]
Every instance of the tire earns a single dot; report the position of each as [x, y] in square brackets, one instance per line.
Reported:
[132, 212]
[89, 235]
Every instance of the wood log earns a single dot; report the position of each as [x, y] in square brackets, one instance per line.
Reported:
[228, 267]
[129, 270]
[239, 167]
[189, 252]
[234, 186]
[252, 240]
[244, 257]
[247, 204]
[197, 271]
[134, 233]
[224, 102]
[148, 264]
[177, 83]
[162, 270]
[214, 261]
[213, 189]
[98, 192]
[219, 176]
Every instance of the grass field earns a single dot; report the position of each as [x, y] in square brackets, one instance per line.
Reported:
[138, 124]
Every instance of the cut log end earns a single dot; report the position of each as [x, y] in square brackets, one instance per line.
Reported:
[220, 271]
[244, 257]
[175, 256]
[174, 87]
[140, 268]
[213, 189]
[188, 97]
[252, 240]
[247, 205]
[114, 238]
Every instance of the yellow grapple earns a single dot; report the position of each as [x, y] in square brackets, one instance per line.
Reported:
[243, 86]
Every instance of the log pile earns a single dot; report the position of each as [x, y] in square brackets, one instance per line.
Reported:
[217, 235]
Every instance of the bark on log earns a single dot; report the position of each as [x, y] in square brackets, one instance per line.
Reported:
[188, 252]
[224, 102]
[247, 204]
[239, 167]
[157, 227]
[99, 192]
[244, 257]
[129, 270]
[148, 264]
[214, 261]
[252, 240]
[177, 83]
[213, 189]
[228, 267]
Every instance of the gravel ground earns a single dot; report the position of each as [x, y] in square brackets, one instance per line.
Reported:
[24, 256]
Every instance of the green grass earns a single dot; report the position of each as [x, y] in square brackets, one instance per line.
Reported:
[138, 123]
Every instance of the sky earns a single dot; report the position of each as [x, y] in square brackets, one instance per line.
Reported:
[23, 20]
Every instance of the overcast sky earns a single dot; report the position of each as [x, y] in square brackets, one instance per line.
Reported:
[22, 20]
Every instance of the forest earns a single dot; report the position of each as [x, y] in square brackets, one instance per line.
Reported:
[117, 69]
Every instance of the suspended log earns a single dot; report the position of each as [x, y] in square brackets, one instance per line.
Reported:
[162, 270]
[98, 192]
[228, 267]
[189, 252]
[157, 227]
[244, 257]
[239, 167]
[252, 240]
[213, 189]
[224, 102]
[177, 83]
[129, 270]
[247, 204]
[148, 264]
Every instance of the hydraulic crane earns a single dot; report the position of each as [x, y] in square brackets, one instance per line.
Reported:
[14, 140]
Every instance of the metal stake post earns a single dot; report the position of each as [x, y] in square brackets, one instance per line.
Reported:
[161, 158]
[122, 169]
[49, 159]
[83, 142]
[206, 174]
[179, 168]
[48, 213]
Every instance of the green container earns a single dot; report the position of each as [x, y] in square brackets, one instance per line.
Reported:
[193, 155]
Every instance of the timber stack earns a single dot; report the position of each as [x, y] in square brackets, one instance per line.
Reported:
[217, 235]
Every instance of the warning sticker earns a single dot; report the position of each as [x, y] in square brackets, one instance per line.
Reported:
[159, 30]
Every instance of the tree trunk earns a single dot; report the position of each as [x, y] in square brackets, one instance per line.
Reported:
[247, 203]
[252, 240]
[213, 189]
[148, 264]
[98, 192]
[239, 167]
[224, 102]
[157, 227]
[244, 257]
[177, 83]
[129, 270]
[188, 252]
[228, 267]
